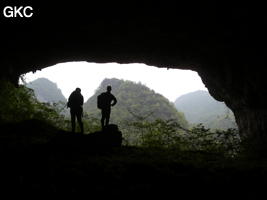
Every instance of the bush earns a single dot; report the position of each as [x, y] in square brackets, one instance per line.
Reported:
[19, 103]
[169, 134]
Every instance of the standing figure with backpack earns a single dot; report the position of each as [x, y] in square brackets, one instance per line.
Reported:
[75, 103]
[104, 102]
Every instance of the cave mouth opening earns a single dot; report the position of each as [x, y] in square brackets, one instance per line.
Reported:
[182, 88]
[171, 83]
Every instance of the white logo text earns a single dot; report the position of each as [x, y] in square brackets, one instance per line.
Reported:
[20, 11]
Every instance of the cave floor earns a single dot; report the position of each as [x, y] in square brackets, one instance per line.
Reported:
[33, 165]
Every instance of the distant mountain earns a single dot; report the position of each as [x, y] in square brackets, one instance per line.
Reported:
[46, 90]
[201, 107]
[134, 100]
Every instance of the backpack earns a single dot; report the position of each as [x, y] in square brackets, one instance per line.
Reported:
[100, 101]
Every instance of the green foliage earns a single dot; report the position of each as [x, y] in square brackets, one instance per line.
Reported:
[91, 123]
[15, 103]
[170, 134]
[54, 113]
[19, 104]
[201, 139]
[159, 133]
[223, 122]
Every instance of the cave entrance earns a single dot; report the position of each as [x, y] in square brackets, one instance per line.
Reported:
[171, 83]
[182, 88]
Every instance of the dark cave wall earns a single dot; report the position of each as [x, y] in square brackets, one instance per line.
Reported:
[242, 88]
[224, 44]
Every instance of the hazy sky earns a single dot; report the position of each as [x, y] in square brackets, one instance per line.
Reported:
[170, 83]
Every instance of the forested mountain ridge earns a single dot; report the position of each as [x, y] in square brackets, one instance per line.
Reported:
[46, 90]
[138, 102]
[201, 107]
[135, 101]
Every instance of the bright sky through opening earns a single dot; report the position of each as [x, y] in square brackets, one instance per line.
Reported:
[170, 83]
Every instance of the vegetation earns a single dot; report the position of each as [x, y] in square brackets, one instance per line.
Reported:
[143, 130]
[137, 109]
[135, 99]
[19, 104]
[169, 134]
[149, 120]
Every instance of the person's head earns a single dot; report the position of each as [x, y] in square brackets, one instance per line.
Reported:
[109, 88]
[78, 90]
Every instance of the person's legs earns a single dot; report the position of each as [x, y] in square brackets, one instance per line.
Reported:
[79, 119]
[102, 118]
[107, 117]
[72, 114]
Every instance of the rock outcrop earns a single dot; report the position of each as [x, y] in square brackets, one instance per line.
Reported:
[105, 139]
[225, 44]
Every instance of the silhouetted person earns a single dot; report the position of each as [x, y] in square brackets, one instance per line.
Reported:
[105, 101]
[75, 103]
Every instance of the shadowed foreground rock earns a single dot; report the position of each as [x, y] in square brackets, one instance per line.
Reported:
[111, 136]
[35, 132]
